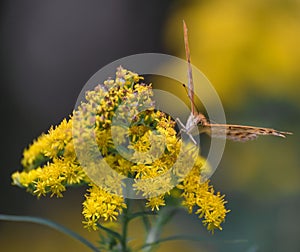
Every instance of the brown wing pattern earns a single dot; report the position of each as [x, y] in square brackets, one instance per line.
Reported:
[190, 73]
[240, 133]
[232, 132]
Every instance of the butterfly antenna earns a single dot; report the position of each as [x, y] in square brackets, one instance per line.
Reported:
[190, 74]
[188, 94]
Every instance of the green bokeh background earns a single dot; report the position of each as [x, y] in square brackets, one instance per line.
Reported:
[249, 50]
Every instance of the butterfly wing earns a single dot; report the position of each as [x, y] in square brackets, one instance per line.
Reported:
[190, 73]
[232, 132]
[240, 133]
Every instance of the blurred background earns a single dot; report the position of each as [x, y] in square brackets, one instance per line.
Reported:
[250, 52]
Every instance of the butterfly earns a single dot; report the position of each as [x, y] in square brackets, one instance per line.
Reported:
[197, 122]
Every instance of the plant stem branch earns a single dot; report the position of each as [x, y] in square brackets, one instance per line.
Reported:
[126, 219]
[154, 233]
[50, 224]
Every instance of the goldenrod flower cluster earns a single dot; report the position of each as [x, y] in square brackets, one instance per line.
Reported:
[116, 134]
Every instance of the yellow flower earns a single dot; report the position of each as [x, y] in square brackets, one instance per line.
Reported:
[210, 206]
[147, 150]
[155, 202]
[101, 204]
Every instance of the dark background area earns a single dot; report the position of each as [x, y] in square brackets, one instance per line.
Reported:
[49, 49]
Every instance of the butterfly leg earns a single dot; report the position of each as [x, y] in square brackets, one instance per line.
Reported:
[177, 120]
[191, 137]
[183, 129]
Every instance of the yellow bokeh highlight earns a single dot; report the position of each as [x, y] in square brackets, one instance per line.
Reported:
[242, 46]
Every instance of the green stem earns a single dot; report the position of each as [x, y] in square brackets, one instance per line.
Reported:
[164, 216]
[110, 232]
[50, 224]
[192, 238]
[126, 219]
[172, 238]
[145, 218]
